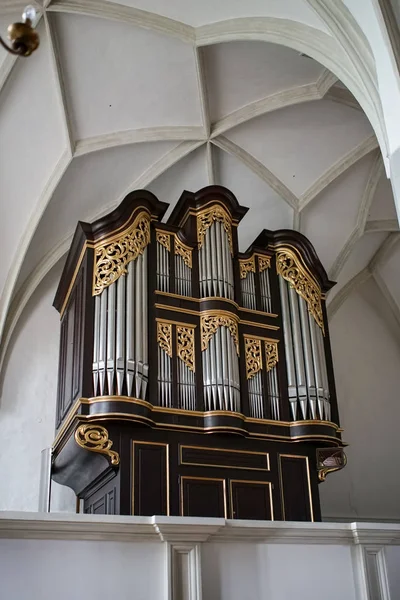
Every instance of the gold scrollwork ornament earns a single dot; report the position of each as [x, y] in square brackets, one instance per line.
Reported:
[209, 325]
[112, 258]
[271, 354]
[264, 262]
[253, 356]
[164, 336]
[95, 439]
[185, 346]
[289, 267]
[184, 252]
[206, 218]
[164, 239]
[247, 266]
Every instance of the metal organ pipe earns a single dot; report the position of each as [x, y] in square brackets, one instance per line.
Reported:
[305, 357]
[265, 290]
[287, 332]
[111, 290]
[162, 268]
[215, 263]
[308, 357]
[121, 331]
[298, 351]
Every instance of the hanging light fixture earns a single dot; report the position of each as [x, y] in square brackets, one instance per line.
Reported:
[23, 37]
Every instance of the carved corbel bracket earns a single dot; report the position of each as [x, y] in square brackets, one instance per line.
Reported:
[95, 439]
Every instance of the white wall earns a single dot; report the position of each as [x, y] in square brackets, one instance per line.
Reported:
[166, 558]
[366, 354]
[80, 569]
[242, 570]
[28, 401]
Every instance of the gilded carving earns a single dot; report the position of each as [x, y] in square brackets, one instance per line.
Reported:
[185, 345]
[95, 439]
[206, 218]
[253, 356]
[264, 262]
[289, 267]
[247, 266]
[271, 354]
[184, 252]
[330, 460]
[112, 258]
[164, 239]
[164, 336]
[209, 325]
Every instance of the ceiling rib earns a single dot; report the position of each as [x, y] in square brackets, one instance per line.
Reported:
[343, 96]
[385, 251]
[258, 168]
[325, 81]
[60, 88]
[210, 164]
[27, 236]
[385, 291]
[354, 283]
[367, 198]
[290, 97]
[137, 136]
[381, 255]
[126, 14]
[382, 225]
[336, 170]
[203, 92]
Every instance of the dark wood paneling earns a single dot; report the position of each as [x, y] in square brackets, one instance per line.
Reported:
[295, 488]
[216, 457]
[102, 502]
[150, 490]
[251, 500]
[203, 497]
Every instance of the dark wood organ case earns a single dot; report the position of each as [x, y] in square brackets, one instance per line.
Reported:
[194, 380]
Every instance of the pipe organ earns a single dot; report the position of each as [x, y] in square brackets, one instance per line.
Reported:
[194, 379]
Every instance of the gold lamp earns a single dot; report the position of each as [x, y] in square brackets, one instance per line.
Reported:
[23, 36]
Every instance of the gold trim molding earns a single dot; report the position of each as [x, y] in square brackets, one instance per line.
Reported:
[247, 265]
[205, 219]
[185, 345]
[184, 252]
[112, 257]
[95, 439]
[164, 239]
[209, 324]
[164, 336]
[253, 356]
[289, 267]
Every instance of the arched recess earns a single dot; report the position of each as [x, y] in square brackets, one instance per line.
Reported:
[334, 52]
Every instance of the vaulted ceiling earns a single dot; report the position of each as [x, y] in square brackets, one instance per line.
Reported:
[117, 99]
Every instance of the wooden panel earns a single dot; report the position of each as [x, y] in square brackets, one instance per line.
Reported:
[150, 491]
[296, 496]
[103, 505]
[70, 364]
[251, 500]
[203, 497]
[220, 457]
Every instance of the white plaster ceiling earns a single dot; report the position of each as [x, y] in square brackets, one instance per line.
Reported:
[180, 96]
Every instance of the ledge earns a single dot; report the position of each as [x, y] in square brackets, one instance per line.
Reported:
[62, 526]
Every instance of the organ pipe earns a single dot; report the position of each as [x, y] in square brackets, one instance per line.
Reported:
[121, 337]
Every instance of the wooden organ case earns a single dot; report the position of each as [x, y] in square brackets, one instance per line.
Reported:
[194, 380]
